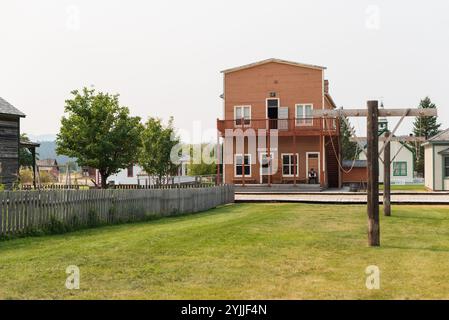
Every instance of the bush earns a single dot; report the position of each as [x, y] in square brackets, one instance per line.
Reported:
[93, 219]
[55, 226]
[26, 175]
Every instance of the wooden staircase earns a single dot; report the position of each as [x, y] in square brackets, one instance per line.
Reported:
[331, 161]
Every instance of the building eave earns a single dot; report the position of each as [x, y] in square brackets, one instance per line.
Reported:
[273, 60]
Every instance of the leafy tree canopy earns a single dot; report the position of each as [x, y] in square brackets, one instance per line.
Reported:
[25, 156]
[203, 168]
[157, 142]
[99, 132]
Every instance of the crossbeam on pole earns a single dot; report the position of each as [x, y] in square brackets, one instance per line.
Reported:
[382, 112]
[398, 138]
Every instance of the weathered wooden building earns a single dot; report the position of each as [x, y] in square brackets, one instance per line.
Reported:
[9, 143]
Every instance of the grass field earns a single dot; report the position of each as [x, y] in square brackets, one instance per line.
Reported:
[242, 251]
[405, 187]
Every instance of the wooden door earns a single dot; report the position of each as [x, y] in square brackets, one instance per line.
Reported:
[313, 162]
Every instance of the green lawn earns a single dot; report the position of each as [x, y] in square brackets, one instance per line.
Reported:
[405, 187]
[242, 251]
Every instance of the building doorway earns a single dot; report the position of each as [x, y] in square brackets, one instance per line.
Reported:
[313, 162]
[273, 113]
[266, 167]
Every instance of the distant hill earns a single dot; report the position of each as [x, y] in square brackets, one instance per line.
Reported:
[42, 137]
[47, 150]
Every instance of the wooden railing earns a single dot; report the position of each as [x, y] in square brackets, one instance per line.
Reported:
[298, 126]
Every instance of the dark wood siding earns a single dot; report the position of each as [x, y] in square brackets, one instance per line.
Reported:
[9, 149]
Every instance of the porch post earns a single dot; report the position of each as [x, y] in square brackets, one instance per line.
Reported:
[269, 157]
[217, 180]
[321, 155]
[294, 159]
[33, 154]
[243, 156]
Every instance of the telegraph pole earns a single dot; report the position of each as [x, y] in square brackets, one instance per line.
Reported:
[387, 172]
[373, 174]
[372, 115]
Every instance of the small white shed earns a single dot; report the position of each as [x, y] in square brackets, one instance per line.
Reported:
[402, 159]
[436, 162]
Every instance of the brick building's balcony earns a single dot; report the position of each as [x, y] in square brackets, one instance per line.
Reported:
[285, 127]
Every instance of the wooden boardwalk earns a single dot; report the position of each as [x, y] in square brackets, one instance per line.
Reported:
[343, 198]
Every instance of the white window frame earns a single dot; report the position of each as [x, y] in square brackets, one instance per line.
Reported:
[301, 121]
[243, 113]
[290, 165]
[243, 165]
[445, 167]
[396, 163]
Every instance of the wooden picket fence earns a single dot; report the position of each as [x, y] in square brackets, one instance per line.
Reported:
[24, 211]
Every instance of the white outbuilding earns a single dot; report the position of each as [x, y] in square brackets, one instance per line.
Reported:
[436, 162]
[402, 159]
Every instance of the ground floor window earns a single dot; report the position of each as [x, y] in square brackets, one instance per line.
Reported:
[288, 164]
[242, 162]
[446, 167]
[400, 168]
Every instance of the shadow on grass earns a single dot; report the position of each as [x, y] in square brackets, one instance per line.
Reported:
[420, 217]
[431, 249]
[41, 236]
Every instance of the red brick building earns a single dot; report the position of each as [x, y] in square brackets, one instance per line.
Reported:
[275, 98]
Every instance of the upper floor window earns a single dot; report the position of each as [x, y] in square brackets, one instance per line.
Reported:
[446, 167]
[304, 114]
[242, 113]
[400, 168]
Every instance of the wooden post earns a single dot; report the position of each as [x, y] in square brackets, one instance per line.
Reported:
[243, 156]
[217, 179]
[33, 155]
[269, 155]
[295, 165]
[321, 156]
[387, 172]
[373, 174]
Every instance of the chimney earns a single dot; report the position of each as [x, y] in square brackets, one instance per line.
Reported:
[326, 86]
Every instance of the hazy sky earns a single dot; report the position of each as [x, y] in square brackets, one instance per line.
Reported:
[164, 57]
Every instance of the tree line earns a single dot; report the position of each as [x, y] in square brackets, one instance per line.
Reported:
[102, 134]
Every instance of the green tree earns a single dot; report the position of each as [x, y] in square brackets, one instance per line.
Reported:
[203, 168]
[425, 127]
[99, 132]
[349, 149]
[157, 143]
[25, 156]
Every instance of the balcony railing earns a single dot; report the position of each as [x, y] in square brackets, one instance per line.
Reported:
[298, 126]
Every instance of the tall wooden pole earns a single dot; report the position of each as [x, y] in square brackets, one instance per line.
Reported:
[217, 179]
[269, 156]
[373, 174]
[387, 171]
[33, 154]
